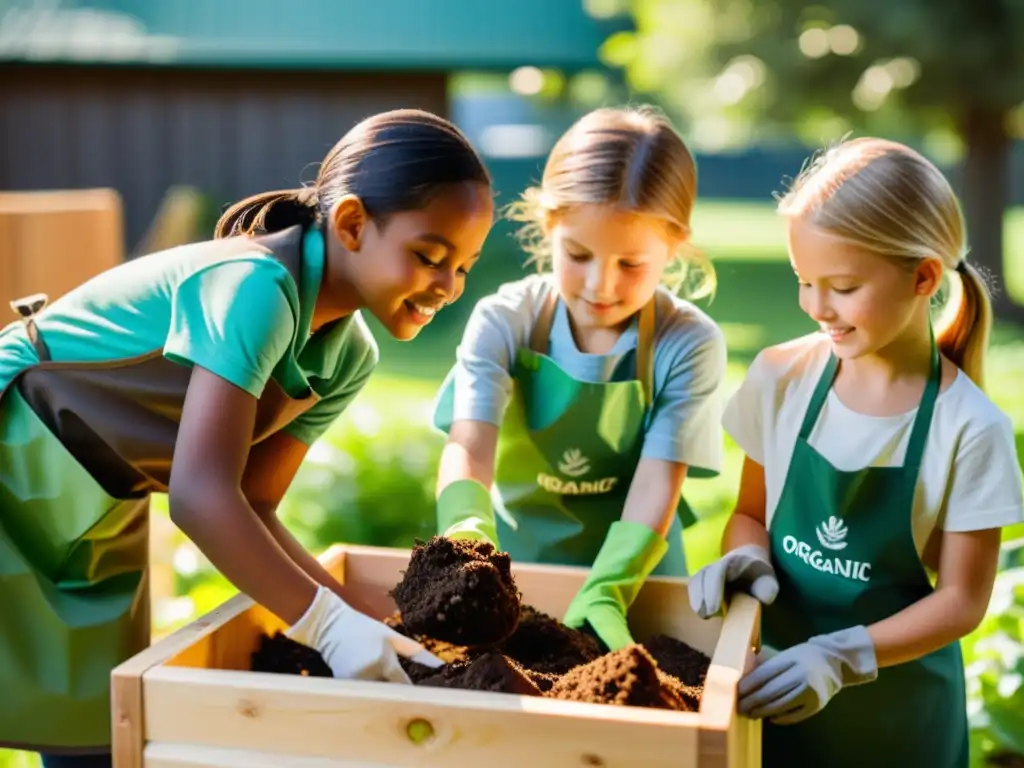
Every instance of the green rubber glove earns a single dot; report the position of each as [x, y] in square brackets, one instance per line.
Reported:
[464, 511]
[629, 553]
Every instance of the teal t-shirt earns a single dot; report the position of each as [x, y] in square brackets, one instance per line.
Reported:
[235, 314]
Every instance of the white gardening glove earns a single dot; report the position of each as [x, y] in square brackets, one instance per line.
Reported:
[748, 566]
[355, 646]
[794, 684]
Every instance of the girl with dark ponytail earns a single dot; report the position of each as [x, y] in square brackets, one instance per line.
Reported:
[206, 371]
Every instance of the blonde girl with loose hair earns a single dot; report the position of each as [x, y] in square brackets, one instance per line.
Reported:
[581, 398]
[877, 477]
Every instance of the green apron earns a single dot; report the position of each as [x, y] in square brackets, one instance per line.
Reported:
[843, 549]
[82, 447]
[567, 452]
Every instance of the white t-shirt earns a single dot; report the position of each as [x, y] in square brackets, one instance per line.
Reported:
[970, 477]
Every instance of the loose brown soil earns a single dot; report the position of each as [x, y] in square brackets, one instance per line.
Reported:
[489, 672]
[489, 642]
[458, 591]
[679, 660]
[545, 645]
[626, 677]
[282, 654]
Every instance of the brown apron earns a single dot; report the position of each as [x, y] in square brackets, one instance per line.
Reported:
[82, 447]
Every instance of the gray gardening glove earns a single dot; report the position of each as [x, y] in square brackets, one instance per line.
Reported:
[748, 566]
[798, 682]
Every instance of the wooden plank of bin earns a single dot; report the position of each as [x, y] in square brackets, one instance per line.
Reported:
[188, 756]
[726, 740]
[368, 722]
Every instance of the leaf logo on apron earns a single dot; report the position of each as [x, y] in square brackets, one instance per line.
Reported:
[574, 464]
[832, 536]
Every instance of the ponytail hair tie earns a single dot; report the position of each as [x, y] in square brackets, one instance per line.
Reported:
[308, 197]
[961, 266]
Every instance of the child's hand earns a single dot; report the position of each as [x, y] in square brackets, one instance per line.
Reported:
[749, 566]
[607, 620]
[794, 684]
[464, 512]
[629, 553]
[355, 646]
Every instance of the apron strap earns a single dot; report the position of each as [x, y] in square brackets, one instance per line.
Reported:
[645, 350]
[540, 337]
[27, 308]
[818, 398]
[922, 421]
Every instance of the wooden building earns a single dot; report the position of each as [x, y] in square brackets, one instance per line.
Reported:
[233, 97]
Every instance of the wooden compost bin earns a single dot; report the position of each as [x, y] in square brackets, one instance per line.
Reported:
[52, 241]
[189, 700]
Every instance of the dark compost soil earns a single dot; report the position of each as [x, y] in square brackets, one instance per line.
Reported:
[279, 653]
[465, 609]
[458, 591]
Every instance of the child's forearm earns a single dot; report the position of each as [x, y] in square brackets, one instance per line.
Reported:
[919, 629]
[238, 544]
[653, 495]
[308, 563]
[743, 529]
[967, 570]
[468, 454]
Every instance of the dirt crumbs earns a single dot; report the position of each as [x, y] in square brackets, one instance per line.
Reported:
[627, 677]
[446, 652]
[542, 644]
[678, 659]
[283, 655]
[489, 672]
[461, 592]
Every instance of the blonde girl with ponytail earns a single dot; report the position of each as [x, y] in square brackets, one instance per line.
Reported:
[877, 474]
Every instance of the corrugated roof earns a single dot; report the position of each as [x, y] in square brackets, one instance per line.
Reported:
[343, 34]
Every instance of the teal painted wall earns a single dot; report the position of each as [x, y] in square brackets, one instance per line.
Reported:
[344, 34]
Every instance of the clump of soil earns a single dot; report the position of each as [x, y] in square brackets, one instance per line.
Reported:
[678, 659]
[543, 644]
[687, 697]
[446, 652]
[626, 677]
[281, 654]
[488, 672]
[458, 591]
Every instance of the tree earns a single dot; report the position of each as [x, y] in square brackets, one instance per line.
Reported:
[738, 70]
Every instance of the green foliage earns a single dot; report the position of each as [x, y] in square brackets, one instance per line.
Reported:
[370, 479]
[736, 67]
[994, 658]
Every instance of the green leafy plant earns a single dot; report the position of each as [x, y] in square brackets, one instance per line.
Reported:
[994, 660]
